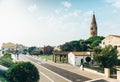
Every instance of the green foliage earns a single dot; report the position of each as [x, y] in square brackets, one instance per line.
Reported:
[82, 45]
[25, 51]
[74, 46]
[118, 62]
[88, 59]
[94, 41]
[31, 50]
[70, 46]
[3, 79]
[23, 72]
[107, 56]
[6, 60]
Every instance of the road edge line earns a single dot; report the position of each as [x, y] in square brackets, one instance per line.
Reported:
[55, 73]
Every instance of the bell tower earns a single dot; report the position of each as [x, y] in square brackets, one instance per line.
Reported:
[93, 27]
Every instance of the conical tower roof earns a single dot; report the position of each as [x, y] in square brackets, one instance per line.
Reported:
[93, 26]
[93, 22]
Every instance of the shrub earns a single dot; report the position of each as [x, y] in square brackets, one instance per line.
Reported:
[23, 72]
[107, 56]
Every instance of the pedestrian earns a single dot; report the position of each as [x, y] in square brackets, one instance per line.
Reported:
[82, 65]
[17, 56]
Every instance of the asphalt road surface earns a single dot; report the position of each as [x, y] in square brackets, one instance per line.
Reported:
[64, 73]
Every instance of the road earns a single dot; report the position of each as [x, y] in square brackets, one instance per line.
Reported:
[50, 73]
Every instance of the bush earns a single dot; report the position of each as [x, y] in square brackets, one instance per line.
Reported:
[118, 62]
[107, 56]
[23, 72]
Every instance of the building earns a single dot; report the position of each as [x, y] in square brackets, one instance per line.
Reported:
[11, 47]
[113, 40]
[48, 50]
[60, 56]
[75, 58]
[57, 48]
[8, 46]
[93, 27]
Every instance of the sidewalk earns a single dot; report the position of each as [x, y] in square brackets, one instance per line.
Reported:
[90, 74]
[86, 72]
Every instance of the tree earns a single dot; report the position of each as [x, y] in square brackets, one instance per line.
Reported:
[25, 51]
[71, 46]
[107, 56]
[75, 45]
[83, 45]
[23, 72]
[94, 41]
[31, 49]
[66, 47]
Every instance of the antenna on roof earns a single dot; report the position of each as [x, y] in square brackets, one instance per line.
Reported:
[93, 12]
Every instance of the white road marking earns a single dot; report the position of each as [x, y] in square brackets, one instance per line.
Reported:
[47, 76]
[39, 63]
[56, 73]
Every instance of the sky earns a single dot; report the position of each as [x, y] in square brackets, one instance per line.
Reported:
[54, 22]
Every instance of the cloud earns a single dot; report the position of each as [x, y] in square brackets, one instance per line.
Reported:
[68, 25]
[32, 8]
[115, 3]
[66, 4]
[57, 11]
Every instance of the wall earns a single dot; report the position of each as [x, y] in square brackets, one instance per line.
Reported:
[71, 58]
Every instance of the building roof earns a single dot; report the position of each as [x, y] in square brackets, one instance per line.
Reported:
[60, 53]
[111, 37]
[81, 53]
[115, 36]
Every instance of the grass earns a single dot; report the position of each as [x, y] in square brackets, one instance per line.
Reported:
[47, 57]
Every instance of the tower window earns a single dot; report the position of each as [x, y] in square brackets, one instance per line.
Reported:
[91, 28]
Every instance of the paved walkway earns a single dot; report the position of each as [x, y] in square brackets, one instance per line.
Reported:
[90, 74]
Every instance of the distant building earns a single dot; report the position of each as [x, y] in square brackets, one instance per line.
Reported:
[11, 47]
[38, 51]
[8, 46]
[48, 50]
[57, 48]
[93, 27]
[113, 40]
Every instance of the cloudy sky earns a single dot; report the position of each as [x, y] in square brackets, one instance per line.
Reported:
[54, 22]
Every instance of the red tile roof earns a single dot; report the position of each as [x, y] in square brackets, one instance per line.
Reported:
[81, 53]
[60, 53]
